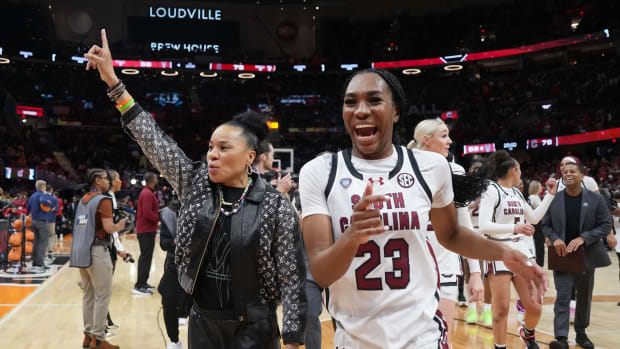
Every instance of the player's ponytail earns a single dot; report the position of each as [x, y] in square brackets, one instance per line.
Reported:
[499, 163]
[468, 187]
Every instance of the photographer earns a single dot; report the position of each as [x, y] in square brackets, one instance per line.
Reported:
[90, 248]
[263, 163]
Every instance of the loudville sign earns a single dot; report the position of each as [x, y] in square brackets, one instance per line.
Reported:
[199, 14]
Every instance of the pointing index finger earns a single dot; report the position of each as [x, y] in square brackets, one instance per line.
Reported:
[104, 39]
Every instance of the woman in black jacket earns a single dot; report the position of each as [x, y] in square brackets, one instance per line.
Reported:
[238, 249]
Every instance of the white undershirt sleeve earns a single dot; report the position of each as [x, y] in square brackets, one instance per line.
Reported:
[534, 216]
[488, 201]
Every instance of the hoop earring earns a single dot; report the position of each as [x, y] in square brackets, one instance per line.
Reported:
[250, 170]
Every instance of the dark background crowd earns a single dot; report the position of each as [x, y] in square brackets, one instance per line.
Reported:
[565, 91]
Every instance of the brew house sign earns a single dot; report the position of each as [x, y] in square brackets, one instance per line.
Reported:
[198, 14]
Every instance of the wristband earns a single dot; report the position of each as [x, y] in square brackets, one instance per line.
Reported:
[127, 105]
[123, 103]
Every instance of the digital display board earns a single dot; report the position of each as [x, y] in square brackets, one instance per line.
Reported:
[182, 29]
[479, 148]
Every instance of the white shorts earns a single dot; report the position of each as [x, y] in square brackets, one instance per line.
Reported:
[495, 267]
[435, 339]
[449, 287]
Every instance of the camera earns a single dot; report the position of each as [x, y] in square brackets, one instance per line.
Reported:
[129, 258]
[119, 214]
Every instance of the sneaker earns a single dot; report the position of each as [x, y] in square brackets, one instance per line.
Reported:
[142, 291]
[97, 344]
[108, 334]
[472, 316]
[560, 343]
[487, 319]
[86, 341]
[177, 345]
[182, 321]
[113, 326]
[583, 341]
[530, 341]
[572, 312]
[150, 287]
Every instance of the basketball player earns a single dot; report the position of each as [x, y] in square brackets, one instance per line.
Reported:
[503, 211]
[433, 135]
[365, 226]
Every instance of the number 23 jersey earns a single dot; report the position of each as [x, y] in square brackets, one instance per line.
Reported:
[388, 297]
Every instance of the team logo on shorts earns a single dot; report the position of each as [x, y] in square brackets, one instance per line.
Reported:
[345, 182]
[405, 180]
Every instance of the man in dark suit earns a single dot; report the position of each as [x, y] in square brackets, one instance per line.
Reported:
[577, 217]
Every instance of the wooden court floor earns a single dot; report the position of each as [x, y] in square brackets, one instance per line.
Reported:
[49, 316]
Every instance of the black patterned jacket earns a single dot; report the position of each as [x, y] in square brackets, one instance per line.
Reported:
[265, 239]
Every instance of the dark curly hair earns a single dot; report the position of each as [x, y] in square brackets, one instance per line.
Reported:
[499, 163]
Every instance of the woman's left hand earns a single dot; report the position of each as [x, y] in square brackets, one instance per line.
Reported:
[100, 58]
[552, 186]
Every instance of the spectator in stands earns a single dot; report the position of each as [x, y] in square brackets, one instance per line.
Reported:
[146, 229]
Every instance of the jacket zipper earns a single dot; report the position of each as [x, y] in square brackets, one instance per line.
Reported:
[206, 245]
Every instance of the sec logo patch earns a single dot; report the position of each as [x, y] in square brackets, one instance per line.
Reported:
[405, 180]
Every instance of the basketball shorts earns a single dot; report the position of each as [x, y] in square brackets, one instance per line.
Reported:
[449, 287]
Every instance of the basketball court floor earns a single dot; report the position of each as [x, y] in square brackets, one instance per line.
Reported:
[45, 311]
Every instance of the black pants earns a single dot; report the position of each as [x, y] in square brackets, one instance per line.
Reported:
[147, 243]
[205, 332]
[539, 244]
[173, 301]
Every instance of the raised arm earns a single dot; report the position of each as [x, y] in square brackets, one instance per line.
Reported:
[534, 216]
[161, 150]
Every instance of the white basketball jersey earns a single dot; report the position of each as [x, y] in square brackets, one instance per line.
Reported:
[388, 298]
[510, 210]
[448, 261]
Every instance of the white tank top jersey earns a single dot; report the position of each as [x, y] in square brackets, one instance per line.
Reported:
[389, 296]
[588, 183]
[474, 215]
[502, 208]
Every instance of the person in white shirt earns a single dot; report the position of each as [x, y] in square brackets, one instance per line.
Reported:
[588, 182]
[433, 135]
[503, 215]
[365, 217]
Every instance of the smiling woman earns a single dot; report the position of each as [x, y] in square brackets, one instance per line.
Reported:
[366, 234]
[238, 248]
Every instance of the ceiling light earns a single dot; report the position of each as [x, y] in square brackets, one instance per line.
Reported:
[411, 71]
[208, 75]
[453, 67]
[130, 71]
[172, 73]
[4, 60]
[246, 75]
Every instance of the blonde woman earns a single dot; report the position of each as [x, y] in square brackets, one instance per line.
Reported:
[433, 135]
